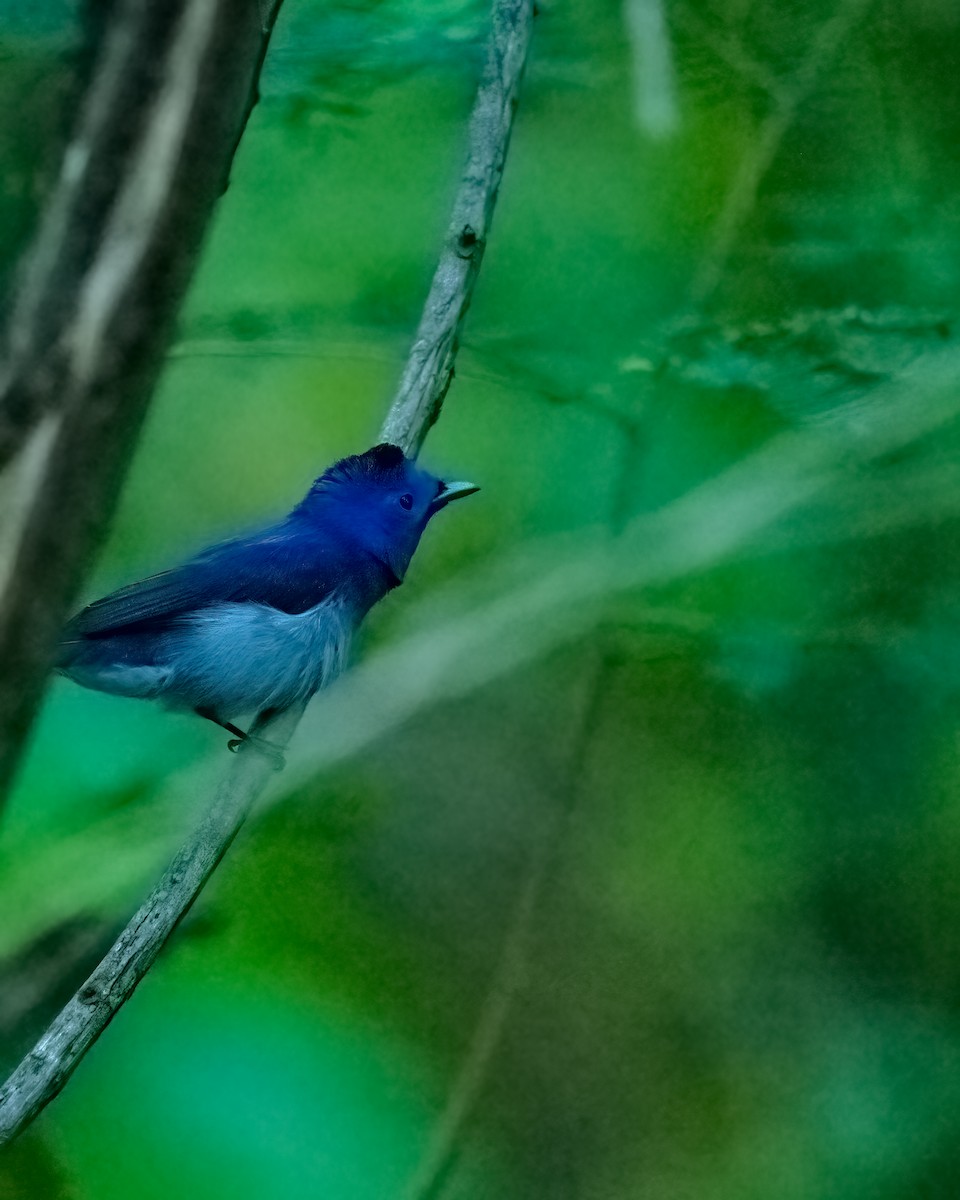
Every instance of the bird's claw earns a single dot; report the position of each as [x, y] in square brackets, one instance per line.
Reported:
[268, 749]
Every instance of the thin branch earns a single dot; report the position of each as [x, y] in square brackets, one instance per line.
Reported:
[540, 597]
[45, 1070]
[98, 293]
[432, 1172]
[48, 1066]
[429, 368]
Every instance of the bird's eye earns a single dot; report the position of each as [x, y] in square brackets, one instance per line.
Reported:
[406, 501]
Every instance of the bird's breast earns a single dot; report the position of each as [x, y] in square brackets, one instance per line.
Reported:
[244, 657]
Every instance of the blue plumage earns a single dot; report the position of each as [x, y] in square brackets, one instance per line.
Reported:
[258, 623]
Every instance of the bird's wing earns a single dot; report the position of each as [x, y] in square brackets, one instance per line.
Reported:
[138, 605]
[274, 568]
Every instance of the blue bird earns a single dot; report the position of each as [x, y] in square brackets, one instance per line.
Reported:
[256, 624]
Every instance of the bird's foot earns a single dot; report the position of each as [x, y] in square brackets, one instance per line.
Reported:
[262, 746]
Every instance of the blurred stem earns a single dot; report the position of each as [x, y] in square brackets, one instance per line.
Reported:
[45, 972]
[655, 107]
[729, 48]
[801, 490]
[432, 1173]
[46, 1069]
[93, 312]
[742, 193]
[431, 1176]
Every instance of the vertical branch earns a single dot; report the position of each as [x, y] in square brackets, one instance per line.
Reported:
[46, 1069]
[97, 297]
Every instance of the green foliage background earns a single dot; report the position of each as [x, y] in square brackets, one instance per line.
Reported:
[696, 641]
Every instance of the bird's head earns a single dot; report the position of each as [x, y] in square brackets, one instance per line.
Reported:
[381, 501]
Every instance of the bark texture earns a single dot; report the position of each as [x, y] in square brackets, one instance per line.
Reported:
[97, 297]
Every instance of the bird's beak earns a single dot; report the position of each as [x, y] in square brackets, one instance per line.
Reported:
[452, 491]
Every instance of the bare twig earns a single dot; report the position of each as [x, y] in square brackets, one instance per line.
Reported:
[429, 368]
[431, 1173]
[541, 597]
[96, 301]
[48, 1066]
[43, 1073]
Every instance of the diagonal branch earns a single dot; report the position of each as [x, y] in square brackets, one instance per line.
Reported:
[431, 1173]
[45, 1070]
[429, 368]
[97, 297]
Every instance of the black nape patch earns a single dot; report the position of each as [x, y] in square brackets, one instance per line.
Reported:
[385, 463]
[387, 456]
